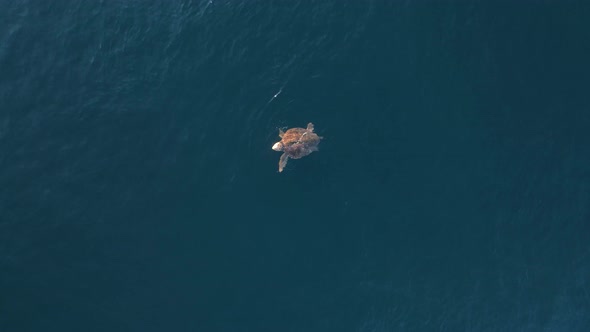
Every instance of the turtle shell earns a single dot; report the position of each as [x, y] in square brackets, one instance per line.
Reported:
[299, 142]
[296, 143]
[293, 135]
[304, 136]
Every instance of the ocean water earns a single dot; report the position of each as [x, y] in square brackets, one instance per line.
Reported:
[139, 191]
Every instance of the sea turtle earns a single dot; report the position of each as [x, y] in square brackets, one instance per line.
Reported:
[296, 143]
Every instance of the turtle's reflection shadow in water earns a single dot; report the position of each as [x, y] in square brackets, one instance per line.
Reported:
[296, 143]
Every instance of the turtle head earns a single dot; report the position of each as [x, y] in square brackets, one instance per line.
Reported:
[278, 146]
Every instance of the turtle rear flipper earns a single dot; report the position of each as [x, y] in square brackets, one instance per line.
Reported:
[283, 161]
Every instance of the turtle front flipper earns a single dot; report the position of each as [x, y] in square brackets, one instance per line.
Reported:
[310, 127]
[281, 132]
[283, 161]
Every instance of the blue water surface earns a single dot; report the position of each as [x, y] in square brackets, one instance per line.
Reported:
[139, 191]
